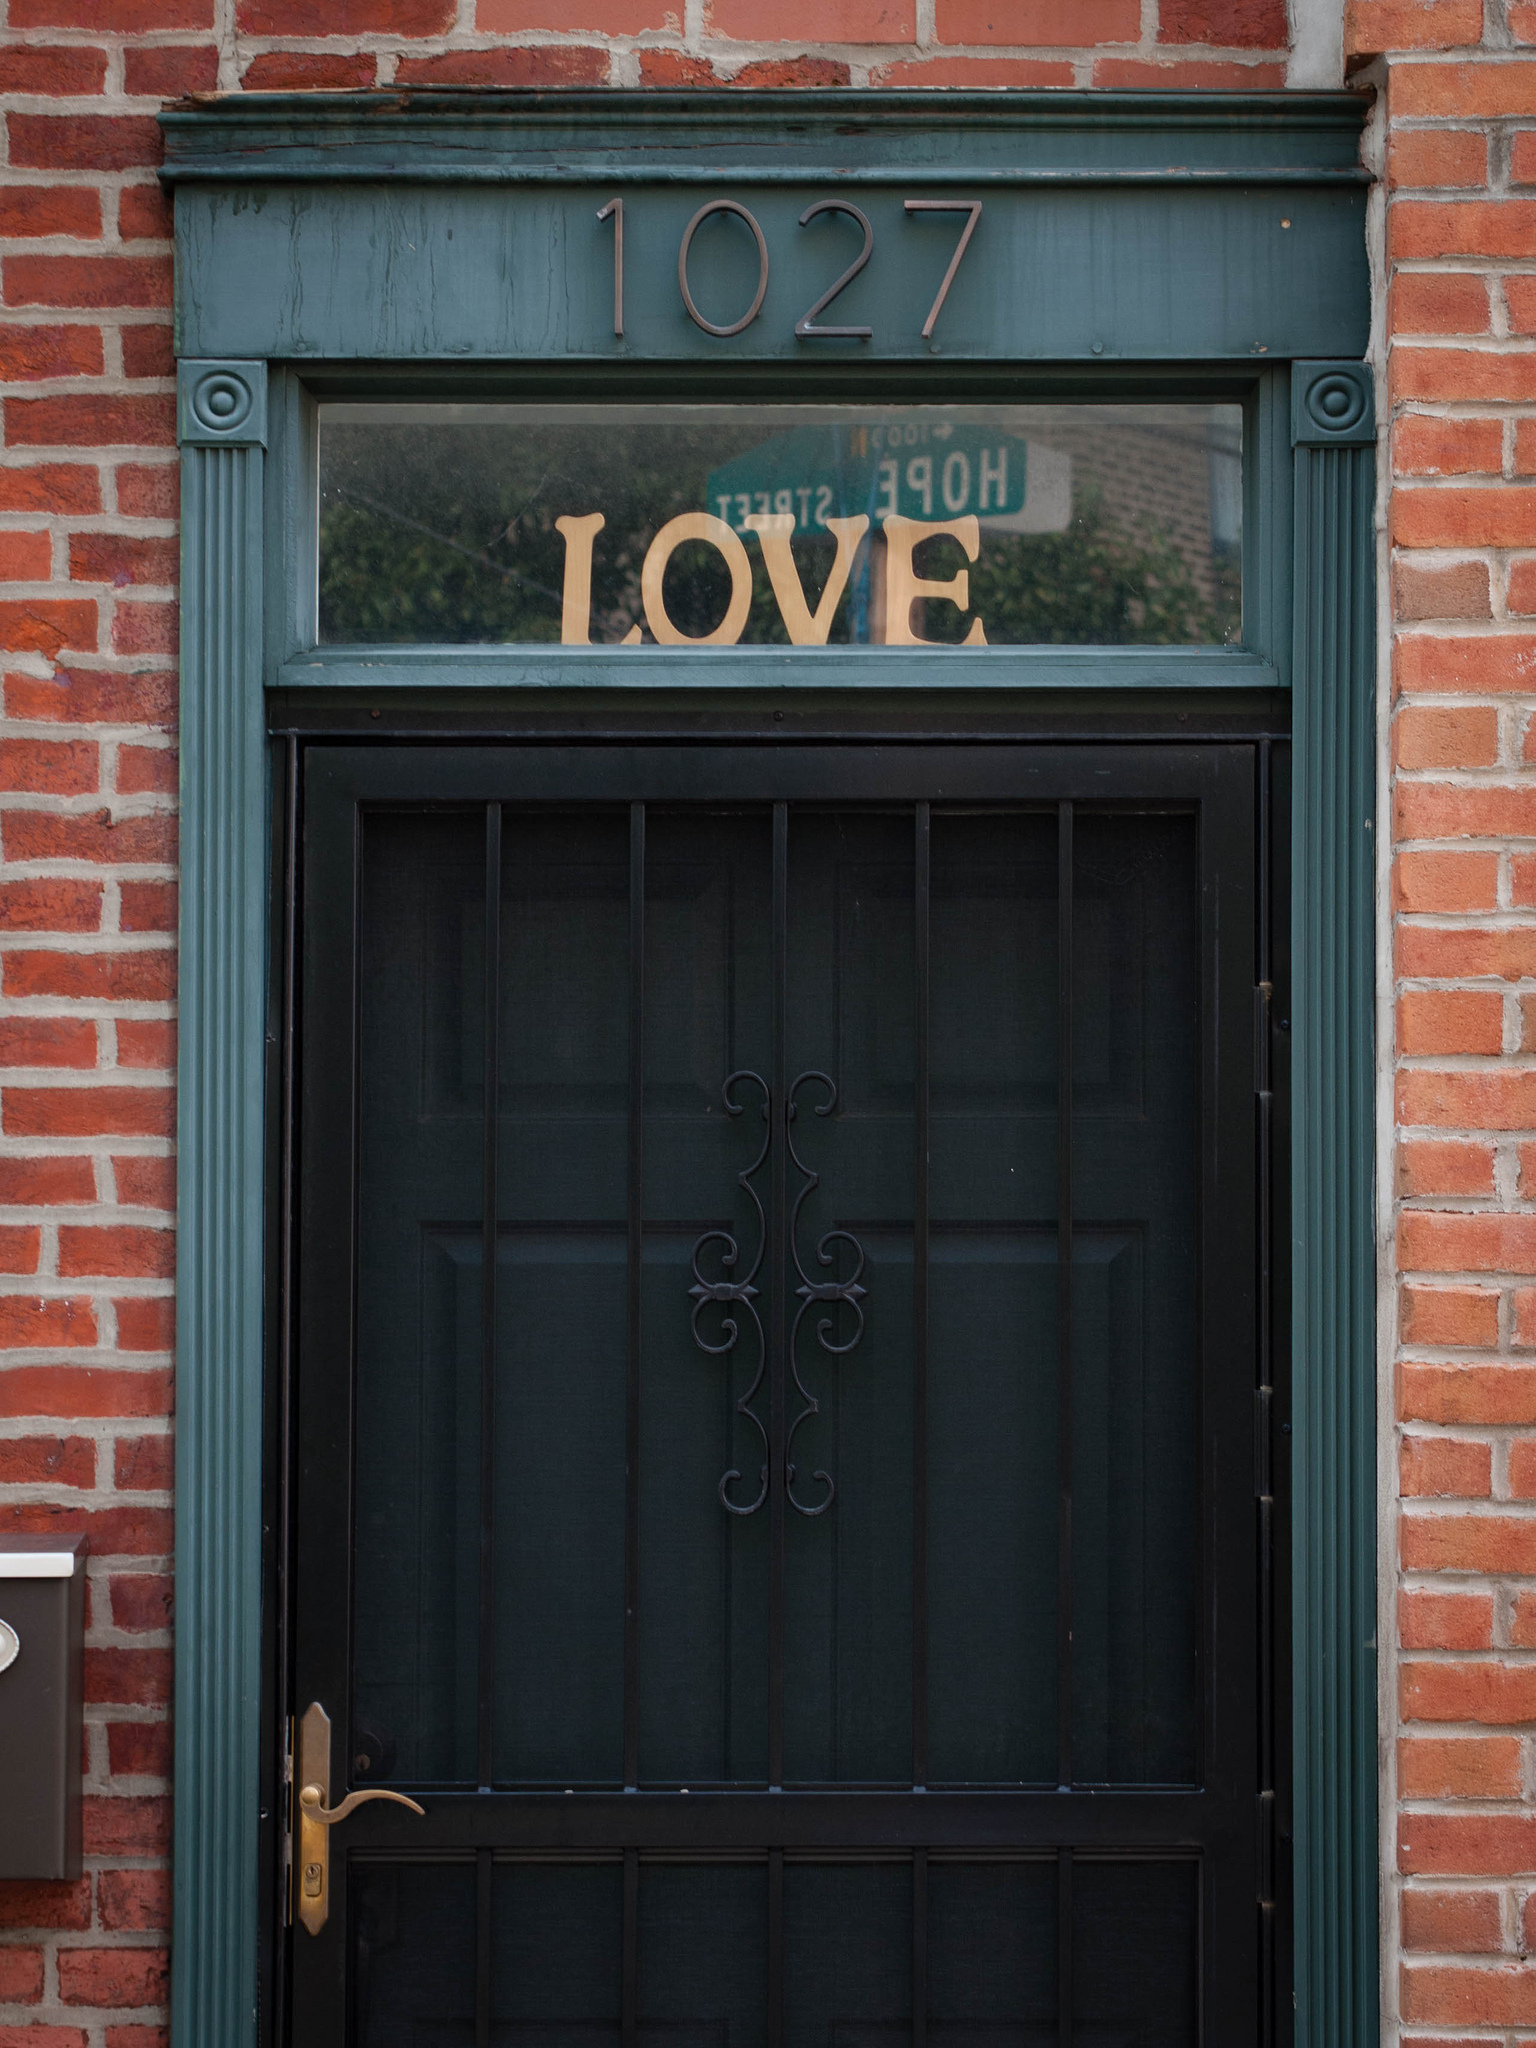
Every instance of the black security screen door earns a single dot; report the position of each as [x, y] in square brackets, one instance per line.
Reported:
[776, 1392]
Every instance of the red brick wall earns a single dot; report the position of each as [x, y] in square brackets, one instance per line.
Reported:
[87, 848]
[1461, 375]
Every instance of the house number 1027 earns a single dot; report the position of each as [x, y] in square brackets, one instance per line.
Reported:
[808, 327]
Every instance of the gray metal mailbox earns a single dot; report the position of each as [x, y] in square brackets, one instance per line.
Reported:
[42, 1632]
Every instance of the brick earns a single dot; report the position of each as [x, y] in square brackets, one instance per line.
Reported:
[1522, 1468]
[1450, 1166]
[146, 1042]
[139, 1749]
[74, 1391]
[148, 906]
[113, 1976]
[1446, 882]
[87, 1112]
[81, 142]
[134, 1901]
[46, 1183]
[49, 210]
[1461, 376]
[1448, 736]
[146, 770]
[1450, 1021]
[791, 72]
[1527, 1182]
[1429, 811]
[145, 629]
[1448, 1316]
[142, 1601]
[1428, 158]
[25, 557]
[135, 1531]
[1522, 157]
[1522, 1633]
[97, 977]
[50, 487]
[1471, 1543]
[1520, 299]
[166, 71]
[1227, 24]
[1491, 1100]
[29, 1322]
[670, 68]
[91, 420]
[1424, 445]
[1376, 25]
[1187, 77]
[57, 70]
[144, 1464]
[822, 21]
[37, 352]
[19, 1247]
[96, 836]
[47, 625]
[122, 559]
[1525, 1316]
[1488, 1394]
[1444, 1467]
[146, 491]
[1458, 1767]
[21, 1975]
[28, 1902]
[146, 1324]
[122, 17]
[1523, 880]
[47, 1461]
[1443, 1621]
[1520, 594]
[49, 767]
[42, 2037]
[96, 281]
[1438, 1241]
[1023, 22]
[128, 1678]
[126, 1826]
[1521, 16]
[147, 351]
[308, 71]
[1448, 954]
[970, 73]
[45, 1041]
[1446, 1995]
[145, 1183]
[160, 2037]
[1437, 303]
[1466, 1845]
[86, 696]
[1525, 446]
[124, 1251]
[1493, 516]
[345, 17]
[1467, 90]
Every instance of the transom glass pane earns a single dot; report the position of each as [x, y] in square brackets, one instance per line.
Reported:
[773, 525]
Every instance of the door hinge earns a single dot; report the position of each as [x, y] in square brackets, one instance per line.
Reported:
[1266, 1846]
[286, 1806]
[1263, 995]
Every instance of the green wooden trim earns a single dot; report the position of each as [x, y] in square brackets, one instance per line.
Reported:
[222, 419]
[1333, 1276]
[860, 669]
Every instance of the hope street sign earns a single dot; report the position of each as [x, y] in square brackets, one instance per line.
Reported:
[897, 469]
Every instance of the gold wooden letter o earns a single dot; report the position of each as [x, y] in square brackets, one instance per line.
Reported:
[696, 526]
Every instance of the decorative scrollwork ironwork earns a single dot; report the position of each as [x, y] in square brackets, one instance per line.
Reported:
[731, 1295]
[812, 1292]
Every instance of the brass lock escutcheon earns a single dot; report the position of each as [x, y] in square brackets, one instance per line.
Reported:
[315, 1818]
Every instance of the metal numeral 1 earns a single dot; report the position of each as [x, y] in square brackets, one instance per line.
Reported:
[615, 209]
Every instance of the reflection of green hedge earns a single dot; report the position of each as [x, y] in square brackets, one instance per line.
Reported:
[382, 579]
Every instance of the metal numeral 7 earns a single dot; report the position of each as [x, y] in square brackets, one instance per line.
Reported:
[967, 206]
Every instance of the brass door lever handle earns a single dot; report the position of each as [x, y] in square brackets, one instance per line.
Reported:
[312, 1799]
[314, 1820]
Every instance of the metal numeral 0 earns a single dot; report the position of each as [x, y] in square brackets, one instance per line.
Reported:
[805, 325]
[735, 326]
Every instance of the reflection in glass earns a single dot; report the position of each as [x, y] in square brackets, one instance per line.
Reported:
[1007, 525]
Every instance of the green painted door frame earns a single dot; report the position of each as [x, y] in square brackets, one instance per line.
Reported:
[405, 244]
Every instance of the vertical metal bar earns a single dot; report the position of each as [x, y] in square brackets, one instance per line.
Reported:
[921, 904]
[778, 1333]
[634, 1216]
[1264, 1418]
[775, 2036]
[1064, 2016]
[920, 1946]
[1064, 1295]
[482, 1948]
[485, 1727]
[629, 2018]
[286, 1549]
